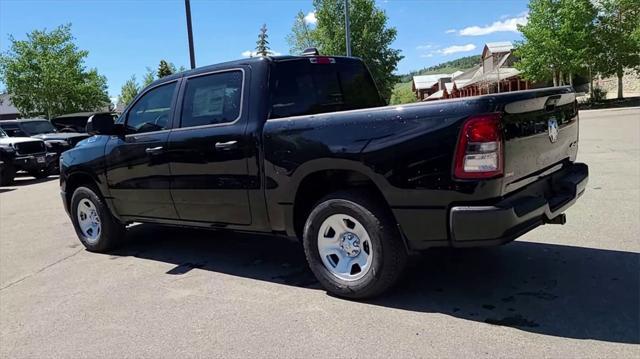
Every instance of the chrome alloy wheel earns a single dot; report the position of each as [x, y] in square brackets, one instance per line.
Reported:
[89, 220]
[345, 247]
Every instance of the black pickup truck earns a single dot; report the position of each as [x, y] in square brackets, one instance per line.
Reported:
[305, 147]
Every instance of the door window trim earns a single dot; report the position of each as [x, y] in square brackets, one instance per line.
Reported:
[141, 95]
[183, 89]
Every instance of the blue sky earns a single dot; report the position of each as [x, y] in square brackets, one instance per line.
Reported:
[125, 37]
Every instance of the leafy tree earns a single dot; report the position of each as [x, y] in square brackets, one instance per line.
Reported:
[558, 39]
[129, 91]
[370, 37]
[300, 37]
[402, 94]
[262, 45]
[618, 25]
[45, 75]
[164, 69]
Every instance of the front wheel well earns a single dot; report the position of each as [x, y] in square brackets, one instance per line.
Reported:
[319, 184]
[78, 180]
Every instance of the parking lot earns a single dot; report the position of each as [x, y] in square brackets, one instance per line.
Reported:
[562, 291]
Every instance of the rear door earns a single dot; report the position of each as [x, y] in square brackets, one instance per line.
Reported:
[137, 163]
[209, 150]
[540, 133]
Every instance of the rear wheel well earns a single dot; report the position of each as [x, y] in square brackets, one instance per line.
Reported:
[319, 184]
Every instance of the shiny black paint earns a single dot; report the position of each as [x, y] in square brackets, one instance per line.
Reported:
[406, 151]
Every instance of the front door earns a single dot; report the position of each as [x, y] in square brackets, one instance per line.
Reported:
[209, 151]
[137, 163]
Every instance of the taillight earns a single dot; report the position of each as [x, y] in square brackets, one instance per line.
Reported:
[479, 153]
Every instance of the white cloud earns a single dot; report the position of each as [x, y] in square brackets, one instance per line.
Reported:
[457, 48]
[250, 53]
[450, 31]
[310, 18]
[430, 50]
[506, 25]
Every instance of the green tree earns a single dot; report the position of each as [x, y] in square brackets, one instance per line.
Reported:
[262, 45]
[618, 24]
[557, 40]
[164, 69]
[300, 37]
[45, 75]
[148, 77]
[128, 92]
[370, 37]
[402, 94]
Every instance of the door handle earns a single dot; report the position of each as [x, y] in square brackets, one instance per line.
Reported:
[226, 145]
[154, 150]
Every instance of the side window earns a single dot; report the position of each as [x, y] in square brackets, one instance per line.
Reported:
[153, 111]
[212, 99]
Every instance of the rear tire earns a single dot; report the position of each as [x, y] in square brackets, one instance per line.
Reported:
[341, 229]
[96, 227]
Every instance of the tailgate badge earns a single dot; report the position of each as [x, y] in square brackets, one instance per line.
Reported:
[553, 129]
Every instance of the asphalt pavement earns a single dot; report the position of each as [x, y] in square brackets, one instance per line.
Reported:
[559, 291]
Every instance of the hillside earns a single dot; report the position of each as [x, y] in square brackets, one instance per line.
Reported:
[462, 63]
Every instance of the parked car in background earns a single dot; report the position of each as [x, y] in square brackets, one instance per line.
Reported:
[77, 122]
[306, 147]
[55, 142]
[21, 154]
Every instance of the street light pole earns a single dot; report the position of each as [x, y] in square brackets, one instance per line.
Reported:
[347, 29]
[192, 56]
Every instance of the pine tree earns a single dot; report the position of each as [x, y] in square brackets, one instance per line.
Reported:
[164, 69]
[262, 45]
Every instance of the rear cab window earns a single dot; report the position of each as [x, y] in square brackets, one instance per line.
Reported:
[317, 85]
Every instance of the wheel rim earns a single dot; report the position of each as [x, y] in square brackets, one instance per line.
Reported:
[89, 220]
[345, 247]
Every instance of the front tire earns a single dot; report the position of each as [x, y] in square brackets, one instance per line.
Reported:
[353, 245]
[7, 174]
[96, 227]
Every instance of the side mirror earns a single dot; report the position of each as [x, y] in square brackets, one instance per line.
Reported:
[103, 124]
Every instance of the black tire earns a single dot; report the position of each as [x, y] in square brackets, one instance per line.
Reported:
[390, 254]
[7, 174]
[112, 231]
[40, 174]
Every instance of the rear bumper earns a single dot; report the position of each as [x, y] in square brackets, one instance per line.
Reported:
[518, 213]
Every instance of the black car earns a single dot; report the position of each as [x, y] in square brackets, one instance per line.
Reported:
[56, 142]
[305, 147]
[77, 122]
[21, 154]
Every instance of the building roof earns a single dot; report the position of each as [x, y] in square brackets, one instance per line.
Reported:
[435, 96]
[426, 81]
[6, 106]
[457, 73]
[449, 86]
[496, 47]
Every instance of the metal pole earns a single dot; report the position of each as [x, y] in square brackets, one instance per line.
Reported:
[192, 55]
[347, 30]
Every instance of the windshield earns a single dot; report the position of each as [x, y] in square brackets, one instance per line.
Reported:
[37, 127]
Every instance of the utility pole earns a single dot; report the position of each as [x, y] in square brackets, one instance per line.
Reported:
[347, 30]
[192, 56]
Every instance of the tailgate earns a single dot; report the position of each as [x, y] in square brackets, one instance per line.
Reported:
[539, 134]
